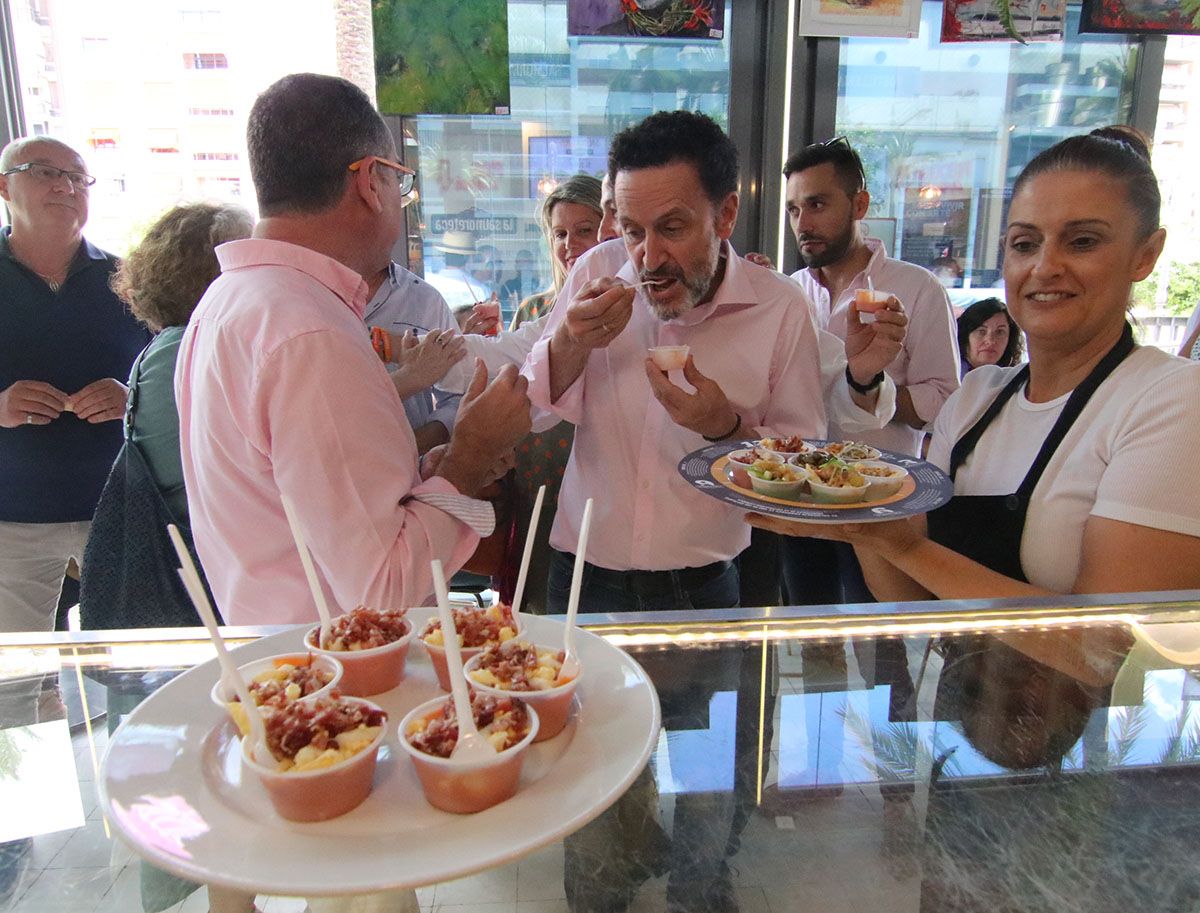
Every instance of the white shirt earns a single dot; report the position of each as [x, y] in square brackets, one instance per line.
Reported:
[1130, 456]
[756, 339]
[927, 364]
[458, 287]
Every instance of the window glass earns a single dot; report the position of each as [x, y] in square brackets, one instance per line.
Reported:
[155, 93]
[943, 129]
[488, 175]
[1172, 293]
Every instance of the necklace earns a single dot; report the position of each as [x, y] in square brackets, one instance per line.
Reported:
[54, 286]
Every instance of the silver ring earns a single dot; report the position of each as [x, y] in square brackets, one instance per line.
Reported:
[28, 418]
[604, 327]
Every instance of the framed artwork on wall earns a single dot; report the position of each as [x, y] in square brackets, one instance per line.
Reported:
[864, 18]
[997, 20]
[433, 58]
[1140, 17]
[689, 19]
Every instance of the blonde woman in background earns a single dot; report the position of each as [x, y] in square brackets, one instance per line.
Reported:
[571, 218]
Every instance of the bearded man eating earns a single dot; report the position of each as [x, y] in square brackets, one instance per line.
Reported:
[753, 371]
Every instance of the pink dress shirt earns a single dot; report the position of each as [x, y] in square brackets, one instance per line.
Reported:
[279, 392]
[928, 363]
[756, 338]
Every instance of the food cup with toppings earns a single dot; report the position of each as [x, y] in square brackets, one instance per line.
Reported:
[776, 479]
[323, 755]
[532, 672]
[810, 459]
[868, 301]
[279, 680]
[783, 448]
[852, 451]
[837, 483]
[738, 463]
[669, 358]
[477, 629]
[429, 734]
[883, 479]
[372, 646]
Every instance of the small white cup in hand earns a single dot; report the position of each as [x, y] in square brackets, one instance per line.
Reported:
[669, 358]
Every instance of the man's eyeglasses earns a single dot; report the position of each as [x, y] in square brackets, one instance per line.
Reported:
[845, 142]
[48, 174]
[404, 174]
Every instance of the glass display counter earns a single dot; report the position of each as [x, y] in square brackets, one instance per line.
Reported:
[936, 756]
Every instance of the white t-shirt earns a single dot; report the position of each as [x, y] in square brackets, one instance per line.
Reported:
[1130, 456]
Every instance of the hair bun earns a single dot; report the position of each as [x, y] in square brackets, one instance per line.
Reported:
[1131, 137]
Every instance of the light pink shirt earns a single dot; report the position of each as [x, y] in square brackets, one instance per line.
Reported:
[927, 364]
[279, 392]
[756, 338]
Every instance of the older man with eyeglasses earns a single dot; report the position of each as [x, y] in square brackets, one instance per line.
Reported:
[66, 346]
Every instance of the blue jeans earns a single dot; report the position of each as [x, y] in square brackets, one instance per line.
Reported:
[600, 592]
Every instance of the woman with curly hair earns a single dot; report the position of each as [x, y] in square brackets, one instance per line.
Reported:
[162, 281]
[128, 569]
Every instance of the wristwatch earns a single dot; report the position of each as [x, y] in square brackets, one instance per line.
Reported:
[863, 388]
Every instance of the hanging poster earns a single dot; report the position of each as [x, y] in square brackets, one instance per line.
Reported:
[1140, 17]
[882, 229]
[441, 58]
[647, 18]
[1003, 20]
[866, 18]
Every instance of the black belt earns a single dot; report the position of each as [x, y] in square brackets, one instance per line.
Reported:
[654, 583]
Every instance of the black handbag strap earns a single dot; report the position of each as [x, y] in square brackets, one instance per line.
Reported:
[131, 400]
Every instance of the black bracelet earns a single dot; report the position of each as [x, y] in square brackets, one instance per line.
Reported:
[863, 388]
[737, 423]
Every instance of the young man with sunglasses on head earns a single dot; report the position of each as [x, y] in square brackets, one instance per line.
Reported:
[282, 396]
[826, 197]
[66, 346]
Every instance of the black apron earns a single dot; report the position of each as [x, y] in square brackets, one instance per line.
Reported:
[988, 528]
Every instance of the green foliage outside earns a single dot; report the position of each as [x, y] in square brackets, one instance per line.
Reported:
[1191, 8]
[441, 58]
[1183, 288]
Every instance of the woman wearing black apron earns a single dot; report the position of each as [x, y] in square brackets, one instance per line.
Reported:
[1071, 473]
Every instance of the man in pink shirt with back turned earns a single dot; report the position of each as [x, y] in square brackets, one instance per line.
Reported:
[281, 395]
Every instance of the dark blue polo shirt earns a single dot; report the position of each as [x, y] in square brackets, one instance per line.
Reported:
[54, 473]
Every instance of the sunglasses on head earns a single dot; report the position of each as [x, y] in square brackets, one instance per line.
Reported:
[844, 142]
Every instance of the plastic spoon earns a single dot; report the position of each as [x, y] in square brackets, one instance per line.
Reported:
[310, 572]
[471, 747]
[195, 589]
[570, 664]
[529, 537]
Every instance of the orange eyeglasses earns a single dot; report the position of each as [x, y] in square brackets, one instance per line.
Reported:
[404, 174]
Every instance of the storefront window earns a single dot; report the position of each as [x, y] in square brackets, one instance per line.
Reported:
[488, 175]
[155, 93]
[943, 129]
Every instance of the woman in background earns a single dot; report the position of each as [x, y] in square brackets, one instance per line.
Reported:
[987, 335]
[162, 281]
[571, 219]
